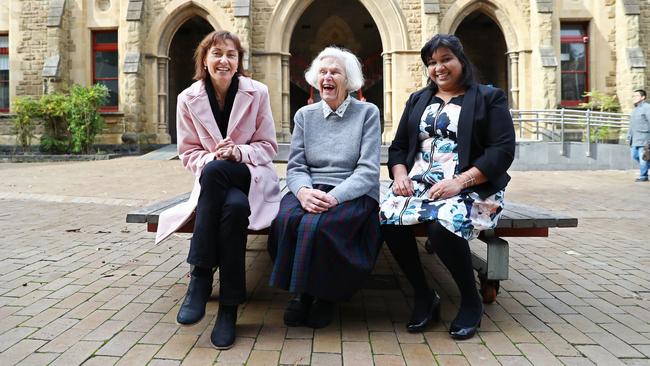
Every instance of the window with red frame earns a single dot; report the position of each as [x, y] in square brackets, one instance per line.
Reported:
[4, 73]
[105, 68]
[574, 57]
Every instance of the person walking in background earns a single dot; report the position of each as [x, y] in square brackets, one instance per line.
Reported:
[639, 132]
[226, 138]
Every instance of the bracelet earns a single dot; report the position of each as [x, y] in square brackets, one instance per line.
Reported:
[468, 182]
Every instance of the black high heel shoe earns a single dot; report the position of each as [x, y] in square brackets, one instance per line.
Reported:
[460, 331]
[432, 315]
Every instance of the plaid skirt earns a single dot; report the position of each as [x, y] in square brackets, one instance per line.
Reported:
[327, 255]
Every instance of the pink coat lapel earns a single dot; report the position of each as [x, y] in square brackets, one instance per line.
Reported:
[200, 108]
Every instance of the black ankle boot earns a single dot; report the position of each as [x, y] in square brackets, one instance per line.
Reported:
[321, 314]
[297, 310]
[198, 293]
[223, 333]
[424, 314]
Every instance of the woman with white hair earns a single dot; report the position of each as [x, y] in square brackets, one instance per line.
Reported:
[325, 239]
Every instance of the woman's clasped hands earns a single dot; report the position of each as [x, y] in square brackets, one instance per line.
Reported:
[315, 200]
[227, 150]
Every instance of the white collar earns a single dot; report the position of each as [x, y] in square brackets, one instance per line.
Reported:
[327, 110]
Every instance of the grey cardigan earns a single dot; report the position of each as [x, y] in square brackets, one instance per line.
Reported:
[341, 152]
[639, 131]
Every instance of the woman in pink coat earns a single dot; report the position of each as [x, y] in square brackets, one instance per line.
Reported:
[226, 137]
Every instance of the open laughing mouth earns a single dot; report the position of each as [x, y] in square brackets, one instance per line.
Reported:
[443, 77]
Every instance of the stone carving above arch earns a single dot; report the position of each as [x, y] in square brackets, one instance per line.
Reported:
[174, 15]
[335, 30]
[385, 13]
[103, 5]
[499, 11]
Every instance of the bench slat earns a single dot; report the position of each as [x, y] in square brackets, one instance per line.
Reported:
[151, 212]
[516, 220]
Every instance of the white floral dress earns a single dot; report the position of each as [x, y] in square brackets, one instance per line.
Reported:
[465, 214]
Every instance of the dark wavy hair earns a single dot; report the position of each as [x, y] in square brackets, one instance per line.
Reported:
[452, 43]
[213, 38]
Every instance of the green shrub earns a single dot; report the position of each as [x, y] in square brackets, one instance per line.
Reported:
[83, 117]
[70, 121]
[27, 111]
[599, 101]
[56, 137]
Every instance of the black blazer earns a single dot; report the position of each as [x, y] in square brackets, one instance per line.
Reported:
[486, 135]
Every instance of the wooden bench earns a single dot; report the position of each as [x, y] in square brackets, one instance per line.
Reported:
[517, 220]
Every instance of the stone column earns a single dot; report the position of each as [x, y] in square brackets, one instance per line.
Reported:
[430, 23]
[56, 66]
[285, 123]
[430, 19]
[630, 60]
[132, 85]
[243, 27]
[545, 93]
[388, 134]
[514, 78]
[161, 125]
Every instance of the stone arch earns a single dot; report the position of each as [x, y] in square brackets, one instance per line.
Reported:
[392, 29]
[159, 39]
[498, 10]
[506, 16]
[175, 14]
[386, 14]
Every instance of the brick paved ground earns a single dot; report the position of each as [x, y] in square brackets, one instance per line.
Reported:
[79, 286]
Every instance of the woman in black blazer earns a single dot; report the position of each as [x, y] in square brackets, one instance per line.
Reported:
[453, 146]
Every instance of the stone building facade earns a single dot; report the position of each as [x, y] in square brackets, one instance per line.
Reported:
[540, 51]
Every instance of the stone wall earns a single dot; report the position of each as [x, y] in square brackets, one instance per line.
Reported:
[644, 38]
[32, 49]
[412, 13]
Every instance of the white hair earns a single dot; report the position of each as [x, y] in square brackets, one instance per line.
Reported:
[351, 64]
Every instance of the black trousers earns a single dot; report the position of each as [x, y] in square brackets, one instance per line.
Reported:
[220, 228]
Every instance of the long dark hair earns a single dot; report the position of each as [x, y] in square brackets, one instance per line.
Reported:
[452, 43]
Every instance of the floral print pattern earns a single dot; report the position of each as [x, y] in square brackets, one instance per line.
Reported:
[465, 214]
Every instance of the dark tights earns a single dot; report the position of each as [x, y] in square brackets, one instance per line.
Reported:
[454, 253]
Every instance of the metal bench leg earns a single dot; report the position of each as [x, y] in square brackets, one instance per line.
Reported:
[494, 268]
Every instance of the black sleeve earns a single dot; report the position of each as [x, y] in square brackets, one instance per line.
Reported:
[399, 148]
[499, 138]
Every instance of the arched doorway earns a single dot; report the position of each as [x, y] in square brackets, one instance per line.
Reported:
[486, 47]
[181, 63]
[343, 23]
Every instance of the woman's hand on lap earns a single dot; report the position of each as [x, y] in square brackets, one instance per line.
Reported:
[403, 186]
[444, 189]
[331, 200]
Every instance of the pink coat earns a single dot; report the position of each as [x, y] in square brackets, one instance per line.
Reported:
[250, 126]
